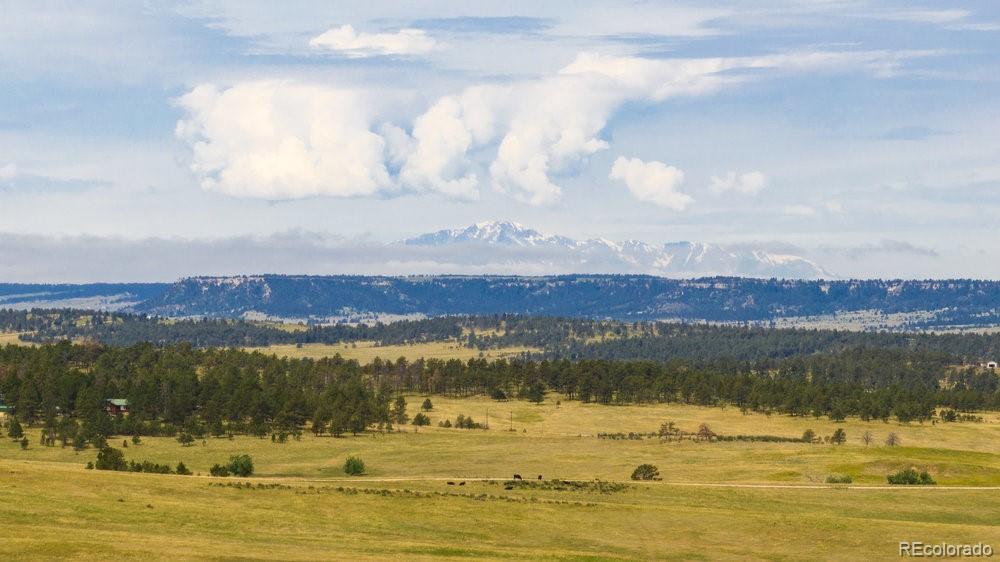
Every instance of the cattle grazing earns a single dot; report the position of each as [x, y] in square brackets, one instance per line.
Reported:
[517, 477]
[461, 483]
[539, 476]
[451, 483]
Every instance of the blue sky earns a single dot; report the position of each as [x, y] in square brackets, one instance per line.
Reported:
[863, 135]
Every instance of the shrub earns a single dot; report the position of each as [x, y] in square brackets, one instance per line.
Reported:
[839, 437]
[24, 443]
[808, 436]
[185, 439]
[839, 479]
[240, 465]
[646, 472]
[136, 439]
[354, 466]
[109, 458]
[421, 419]
[445, 423]
[705, 433]
[910, 477]
[183, 470]
[427, 405]
[218, 470]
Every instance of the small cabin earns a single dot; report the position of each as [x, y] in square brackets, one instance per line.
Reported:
[116, 406]
[4, 410]
[991, 365]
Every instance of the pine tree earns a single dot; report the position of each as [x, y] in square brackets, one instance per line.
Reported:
[14, 429]
[399, 411]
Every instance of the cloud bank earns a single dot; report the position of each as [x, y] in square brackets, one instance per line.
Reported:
[286, 140]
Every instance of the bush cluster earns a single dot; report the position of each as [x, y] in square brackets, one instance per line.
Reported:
[109, 458]
[462, 422]
[839, 479]
[646, 472]
[238, 465]
[354, 466]
[910, 477]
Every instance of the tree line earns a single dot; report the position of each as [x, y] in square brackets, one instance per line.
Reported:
[554, 338]
[182, 389]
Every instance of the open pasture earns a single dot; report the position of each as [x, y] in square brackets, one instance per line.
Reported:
[403, 507]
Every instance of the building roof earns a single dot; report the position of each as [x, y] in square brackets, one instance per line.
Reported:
[120, 402]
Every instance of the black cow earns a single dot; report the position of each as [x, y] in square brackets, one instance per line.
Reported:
[517, 477]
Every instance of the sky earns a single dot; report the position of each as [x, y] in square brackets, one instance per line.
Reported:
[153, 140]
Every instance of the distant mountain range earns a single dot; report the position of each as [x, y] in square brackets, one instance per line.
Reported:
[865, 304]
[510, 241]
[757, 286]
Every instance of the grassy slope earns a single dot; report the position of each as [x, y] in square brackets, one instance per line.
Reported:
[52, 507]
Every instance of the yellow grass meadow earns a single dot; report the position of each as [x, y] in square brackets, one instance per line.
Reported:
[11, 338]
[365, 352]
[722, 500]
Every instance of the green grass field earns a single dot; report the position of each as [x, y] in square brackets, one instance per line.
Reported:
[776, 508]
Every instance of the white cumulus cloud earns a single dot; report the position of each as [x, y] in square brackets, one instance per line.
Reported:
[345, 40]
[652, 181]
[282, 140]
[750, 183]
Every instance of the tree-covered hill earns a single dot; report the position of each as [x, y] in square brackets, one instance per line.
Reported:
[629, 297]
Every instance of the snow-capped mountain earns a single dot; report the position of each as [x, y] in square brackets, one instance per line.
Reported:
[496, 232]
[513, 242]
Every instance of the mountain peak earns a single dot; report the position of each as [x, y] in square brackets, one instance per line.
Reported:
[495, 225]
[519, 244]
[499, 233]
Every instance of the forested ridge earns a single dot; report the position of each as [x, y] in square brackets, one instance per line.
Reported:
[624, 297]
[552, 337]
[916, 304]
[122, 329]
